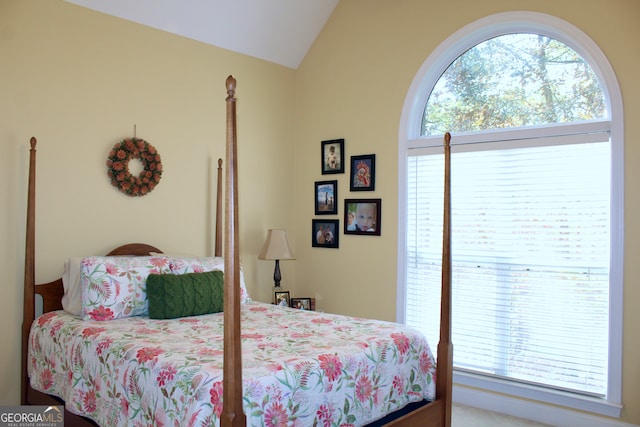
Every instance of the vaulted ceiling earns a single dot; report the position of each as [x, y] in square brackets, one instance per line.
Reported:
[279, 31]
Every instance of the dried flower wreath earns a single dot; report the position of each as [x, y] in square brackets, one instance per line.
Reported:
[118, 167]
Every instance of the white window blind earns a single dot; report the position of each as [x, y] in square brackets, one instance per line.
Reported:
[530, 250]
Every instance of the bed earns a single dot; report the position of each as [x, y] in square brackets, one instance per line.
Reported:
[269, 365]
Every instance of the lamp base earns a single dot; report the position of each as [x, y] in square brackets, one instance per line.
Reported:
[276, 274]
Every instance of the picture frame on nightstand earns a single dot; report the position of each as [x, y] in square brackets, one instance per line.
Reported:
[301, 303]
[282, 298]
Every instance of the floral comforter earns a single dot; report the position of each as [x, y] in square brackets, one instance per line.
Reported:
[300, 368]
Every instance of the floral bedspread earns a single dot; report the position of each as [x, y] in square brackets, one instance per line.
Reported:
[300, 368]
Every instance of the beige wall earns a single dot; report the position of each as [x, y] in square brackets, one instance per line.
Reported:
[353, 84]
[79, 81]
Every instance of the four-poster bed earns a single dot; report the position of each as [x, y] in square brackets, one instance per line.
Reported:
[281, 379]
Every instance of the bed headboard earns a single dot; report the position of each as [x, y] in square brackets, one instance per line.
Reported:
[135, 249]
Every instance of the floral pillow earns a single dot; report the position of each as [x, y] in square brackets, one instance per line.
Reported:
[180, 265]
[115, 287]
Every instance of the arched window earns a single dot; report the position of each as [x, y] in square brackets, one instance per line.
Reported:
[535, 115]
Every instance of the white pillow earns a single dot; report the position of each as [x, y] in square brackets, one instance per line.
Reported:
[180, 265]
[72, 298]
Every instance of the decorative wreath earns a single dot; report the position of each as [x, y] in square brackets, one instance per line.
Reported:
[118, 167]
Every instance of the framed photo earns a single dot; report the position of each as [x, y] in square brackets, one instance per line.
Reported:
[363, 173]
[301, 303]
[282, 298]
[332, 152]
[362, 216]
[326, 196]
[324, 233]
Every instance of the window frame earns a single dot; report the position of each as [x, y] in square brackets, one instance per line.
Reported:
[410, 138]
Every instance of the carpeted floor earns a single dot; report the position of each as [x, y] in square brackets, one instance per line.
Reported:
[467, 416]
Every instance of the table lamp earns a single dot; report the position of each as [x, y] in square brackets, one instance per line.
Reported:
[276, 247]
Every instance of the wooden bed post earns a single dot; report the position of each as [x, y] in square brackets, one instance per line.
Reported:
[218, 246]
[437, 413]
[232, 412]
[444, 369]
[28, 313]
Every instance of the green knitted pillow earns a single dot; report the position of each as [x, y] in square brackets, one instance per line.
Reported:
[179, 295]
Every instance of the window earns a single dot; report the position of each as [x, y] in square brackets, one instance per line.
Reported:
[536, 212]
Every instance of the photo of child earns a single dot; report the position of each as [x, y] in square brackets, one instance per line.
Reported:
[332, 155]
[351, 221]
[282, 298]
[324, 233]
[326, 196]
[332, 158]
[362, 216]
[362, 177]
[363, 172]
[301, 303]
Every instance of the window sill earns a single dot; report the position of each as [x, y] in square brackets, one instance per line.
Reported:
[574, 401]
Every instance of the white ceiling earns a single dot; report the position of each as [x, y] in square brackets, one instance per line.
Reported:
[279, 31]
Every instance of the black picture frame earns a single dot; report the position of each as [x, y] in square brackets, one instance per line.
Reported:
[370, 209]
[301, 303]
[326, 197]
[282, 298]
[325, 233]
[363, 173]
[332, 156]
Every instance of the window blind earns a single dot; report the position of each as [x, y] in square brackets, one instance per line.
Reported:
[530, 253]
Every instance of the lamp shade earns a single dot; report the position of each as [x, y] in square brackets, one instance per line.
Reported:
[276, 246]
